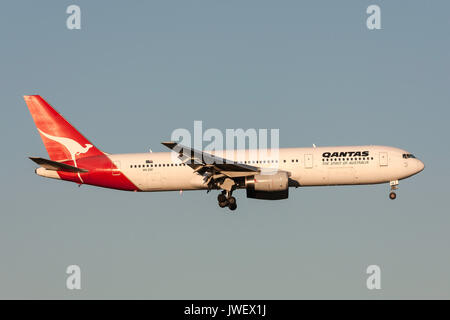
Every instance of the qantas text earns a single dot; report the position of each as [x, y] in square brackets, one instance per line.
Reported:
[345, 154]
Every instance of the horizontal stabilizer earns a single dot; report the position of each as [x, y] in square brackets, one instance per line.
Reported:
[56, 166]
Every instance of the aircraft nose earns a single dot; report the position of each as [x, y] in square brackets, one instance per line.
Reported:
[420, 165]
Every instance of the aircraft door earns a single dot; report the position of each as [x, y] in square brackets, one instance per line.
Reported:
[308, 161]
[383, 159]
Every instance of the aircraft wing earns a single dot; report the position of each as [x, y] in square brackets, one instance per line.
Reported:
[55, 165]
[215, 170]
[197, 159]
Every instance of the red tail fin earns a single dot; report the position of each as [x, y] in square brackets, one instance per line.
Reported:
[61, 139]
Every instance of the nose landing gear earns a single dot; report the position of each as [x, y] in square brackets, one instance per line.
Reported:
[394, 186]
[226, 200]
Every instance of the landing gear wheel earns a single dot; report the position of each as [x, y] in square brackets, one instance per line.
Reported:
[225, 199]
[223, 204]
[221, 198]
[392, 195]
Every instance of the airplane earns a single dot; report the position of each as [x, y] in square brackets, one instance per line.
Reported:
[74, 158]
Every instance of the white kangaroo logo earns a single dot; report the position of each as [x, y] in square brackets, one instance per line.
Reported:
[71, 145]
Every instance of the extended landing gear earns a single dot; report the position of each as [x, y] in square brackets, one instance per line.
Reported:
[226, 200]
[232, 203]
[394, 186]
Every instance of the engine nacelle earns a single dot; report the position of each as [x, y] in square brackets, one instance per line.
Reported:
[268, 186]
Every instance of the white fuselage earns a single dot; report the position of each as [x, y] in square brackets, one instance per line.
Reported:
[320, 166]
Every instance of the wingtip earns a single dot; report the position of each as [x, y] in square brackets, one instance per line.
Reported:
[169, 144]
[34, 159]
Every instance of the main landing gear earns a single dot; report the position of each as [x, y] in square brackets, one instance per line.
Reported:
[226, 200]
[394, 186]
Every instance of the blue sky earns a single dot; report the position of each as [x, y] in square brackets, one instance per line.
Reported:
[137, 70]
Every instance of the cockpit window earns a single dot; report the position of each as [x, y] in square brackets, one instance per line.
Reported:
[408, 155]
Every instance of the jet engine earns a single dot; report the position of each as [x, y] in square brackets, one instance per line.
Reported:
[268, 186]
